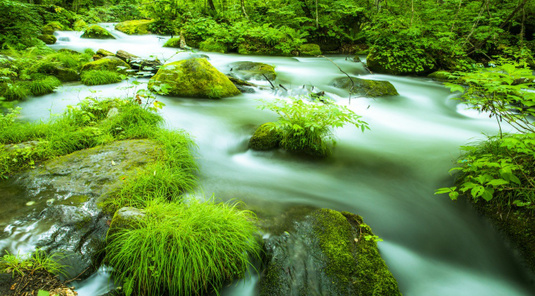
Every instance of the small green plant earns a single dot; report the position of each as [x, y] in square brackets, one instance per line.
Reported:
[98, 77]
[499, 170]
[38, 260]
[306, 127]
[184, 248]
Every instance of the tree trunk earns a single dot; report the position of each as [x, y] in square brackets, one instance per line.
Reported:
[211, 5]
[243, 9]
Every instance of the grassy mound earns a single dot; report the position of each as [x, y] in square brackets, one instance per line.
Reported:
[183, 248]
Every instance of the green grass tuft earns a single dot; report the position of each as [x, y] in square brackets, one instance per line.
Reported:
[184, 248]
[98, 77]
[38, 260]
[44, 85]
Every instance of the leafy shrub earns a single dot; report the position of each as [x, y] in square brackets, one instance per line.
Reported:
[183, 248]
[21, 24]
[98, 77]
[306, 127]
[44, 85]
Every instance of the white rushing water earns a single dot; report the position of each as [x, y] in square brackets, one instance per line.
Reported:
[387, 175]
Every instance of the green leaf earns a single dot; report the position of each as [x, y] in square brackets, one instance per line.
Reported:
[497, 182]
[43, 293]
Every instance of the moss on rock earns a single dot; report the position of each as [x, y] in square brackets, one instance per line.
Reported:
[51, 27]
[173, 42]
[107, 63]
[79, 25]
[440, 75]
[105, 53]
[47, 39]
[309, 49]
[252, 70]
[195, 78]
[266, 137]
[140, 27]
[97, 32]
[365, 87]
[212, 45]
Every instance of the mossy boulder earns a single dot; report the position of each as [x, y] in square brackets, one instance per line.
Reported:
[107, 63]
[172, 42]
[195, 78]
[212, 45]
[140, 27]
[365, 87]
[309, 49]
[47, 39]
[97, 32]
[65, 74]
[79, 25]
[326, 251]
[126, 217]
[440, 75]
[104, 53]
[51, 27]
[252, 70]
[266, 137]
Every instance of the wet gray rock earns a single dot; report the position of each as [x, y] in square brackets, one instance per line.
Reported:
[325, 253]
[67, 192]
[252, 70]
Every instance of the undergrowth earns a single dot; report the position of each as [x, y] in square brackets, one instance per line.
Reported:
[31, 263]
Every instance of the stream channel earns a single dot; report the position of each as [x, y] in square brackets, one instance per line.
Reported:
[388, 174]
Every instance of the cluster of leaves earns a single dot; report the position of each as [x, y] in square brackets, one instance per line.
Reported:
[500, 169]
[307, 127]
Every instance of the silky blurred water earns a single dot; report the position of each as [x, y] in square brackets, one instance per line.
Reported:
[387, 175]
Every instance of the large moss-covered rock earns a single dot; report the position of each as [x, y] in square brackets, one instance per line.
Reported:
[365, 87]
[97, 32]
[252, 70]
[51, 27]
[104, 53]
[107, 63]
[326, 253]
[212, 45]
[173, 42]
[266, 137]
[309, 49]
[47, 39]
[140, 27]
[195, 78]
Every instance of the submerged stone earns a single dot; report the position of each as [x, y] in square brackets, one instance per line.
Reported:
[365, 87]
[266, 137]
[326, 253]
[195, 78]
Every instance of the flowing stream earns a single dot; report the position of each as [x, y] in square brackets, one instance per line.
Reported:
[388, 174]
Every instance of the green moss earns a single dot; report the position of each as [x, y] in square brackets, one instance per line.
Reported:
[173, 42]
[195, 78]
[253, 70]
[105, 53]
[440, 75]
[266, 137]
[336, 239]
[47, 39]
[373, 276]
[365, 87]
[212, 45]
[79, 25]
[107, 63]
[51, 27]
[97, 32]
[134, 27]
[309, 49]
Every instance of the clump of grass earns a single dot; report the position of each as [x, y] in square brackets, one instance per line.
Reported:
[44, 85]
[99, 77]
[14, 90]
[167, 179]
[183, 248]
[29, 264]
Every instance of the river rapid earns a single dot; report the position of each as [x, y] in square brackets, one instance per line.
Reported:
[388, 174]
